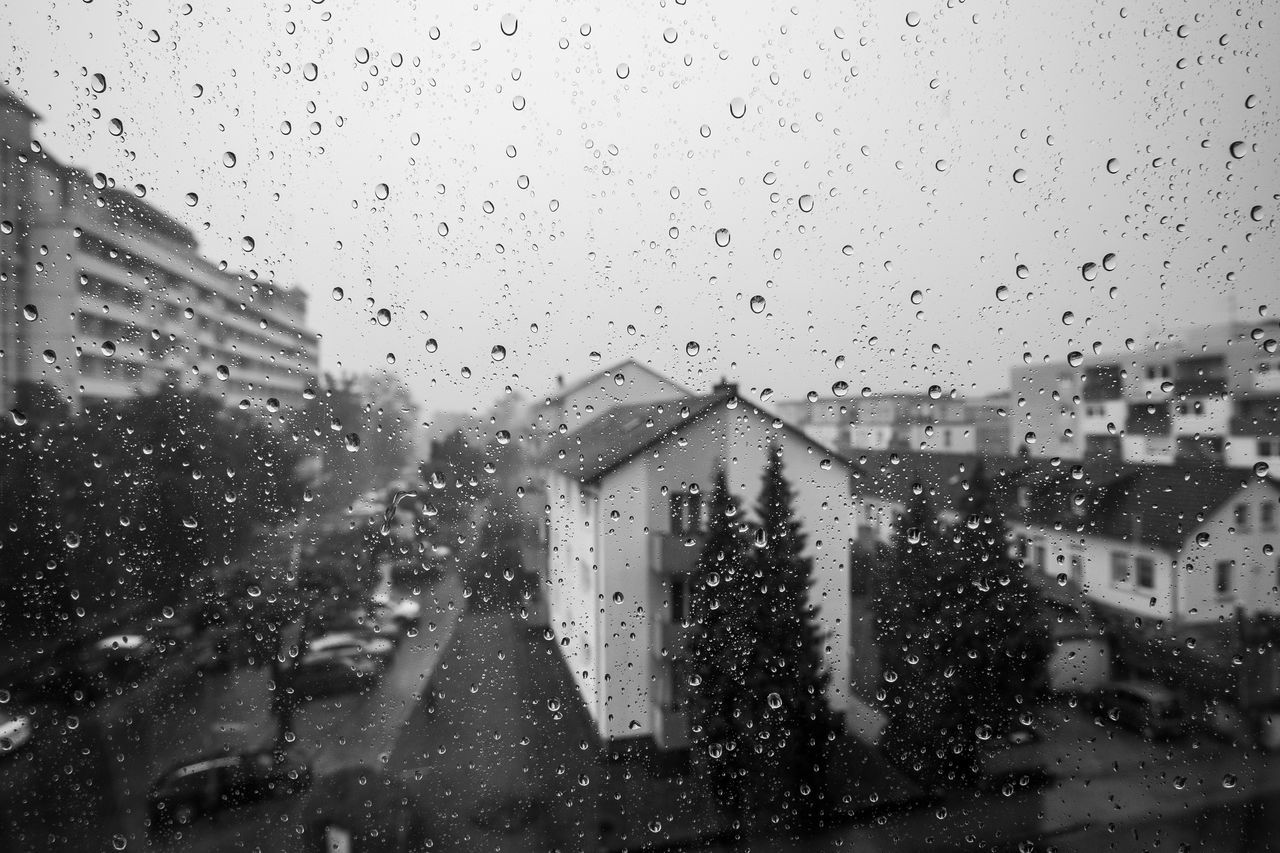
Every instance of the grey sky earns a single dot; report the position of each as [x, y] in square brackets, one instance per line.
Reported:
[908, 148]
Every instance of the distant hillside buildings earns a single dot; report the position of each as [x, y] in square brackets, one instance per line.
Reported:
[105, 296]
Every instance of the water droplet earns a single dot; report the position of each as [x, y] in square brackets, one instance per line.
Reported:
[623, 70]
[1021, 271]
[362, 55]
[1261, 469]
[518, 102]
[737, 108]
[806, 203]
[775, 701]
[1075, 358]
[228, 158]
[1229, 780]
[1202, 539]
[443, 229]
[1068, 317]
[49, 356]
[935, 392]
[286, 127]
[119, 842]
[432, 346]
[757, 304]
[618, 598]
[384, 317]
[1113, 165]
[352, 442]
[30, 313]
[508, 24]
[916, 297]
[115, 127]
[247, 243]
[1109, 261]
[108, 348]
[1238, 149]
[1089, 271]
[337, 294]
[722, 237]
[498, 353]
[941, 165]
[692, 348]
[310, 71]
[913, 19]
[705, 131]
[1002, 293]
[18, 417]
[99, 83]
[1019, 176]
[222, 372]
[434, 33]
[669, 35]
[840, 388]
[381, 191]
[72, 540]
[192, 199]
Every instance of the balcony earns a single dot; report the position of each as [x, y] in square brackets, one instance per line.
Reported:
[671, 729]
[672, 554]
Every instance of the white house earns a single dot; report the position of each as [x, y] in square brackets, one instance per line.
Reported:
[1190, 545]
[625, 510]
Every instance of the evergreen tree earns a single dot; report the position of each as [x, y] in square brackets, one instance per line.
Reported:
[719, 650]
[787, 679]
[972, 651]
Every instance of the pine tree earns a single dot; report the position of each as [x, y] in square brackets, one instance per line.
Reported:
[788, 680]
[719, 650]
[972, 653]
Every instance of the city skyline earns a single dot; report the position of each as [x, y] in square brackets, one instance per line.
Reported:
[1035, 177]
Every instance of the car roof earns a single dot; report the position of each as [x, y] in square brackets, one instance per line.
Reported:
[1144, 689]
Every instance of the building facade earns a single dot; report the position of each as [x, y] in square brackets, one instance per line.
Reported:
[625, 516]
[106, 297]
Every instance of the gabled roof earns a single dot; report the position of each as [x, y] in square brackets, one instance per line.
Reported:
[1157, 505]
[623, 432]
[587, 454]
[602, 376]
[8, 99]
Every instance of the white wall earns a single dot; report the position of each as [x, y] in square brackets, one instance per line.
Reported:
[1254, 576]
[573, 580]
[627, 604]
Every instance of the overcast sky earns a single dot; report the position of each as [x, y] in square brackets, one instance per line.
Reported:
[941, 145]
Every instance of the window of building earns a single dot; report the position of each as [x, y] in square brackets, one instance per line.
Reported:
[678, 592]
[1144, 570]
[1119, 568]
[687, 513]
[1242, 517]
[1267, 516]
[1223, 578]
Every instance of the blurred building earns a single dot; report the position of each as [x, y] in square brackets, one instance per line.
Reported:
[627, 502]
[1208, 395]
[105, 296]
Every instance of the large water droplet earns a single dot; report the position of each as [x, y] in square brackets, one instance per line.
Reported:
[381, 191]
[806, 203]
[757, 304]
[508, 24]
[692, 348]
[722, 237]
[913, 19]
[1089, 271]
[498, 353]
[383, 317]
[623, 71]
[30, 313]
[737, 108]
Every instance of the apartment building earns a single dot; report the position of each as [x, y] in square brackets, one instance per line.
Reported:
[1208, 395]
[626, 513]
[105, 296]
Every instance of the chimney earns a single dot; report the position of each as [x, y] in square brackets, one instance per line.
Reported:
[724, 386]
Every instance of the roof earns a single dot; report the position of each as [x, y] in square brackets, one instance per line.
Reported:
[608, 372]
[606, 442]
[11, 100]
[1158, 505]
[624, 432]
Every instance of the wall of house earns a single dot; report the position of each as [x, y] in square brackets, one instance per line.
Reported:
[630, 627]
[1036, 410]
[573, 584]
[1254, 575]
[1095, 555]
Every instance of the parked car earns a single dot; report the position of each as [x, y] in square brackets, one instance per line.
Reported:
[1149, 709]
[215, 782]
[332, 673]
[394, 618]
[1017, 758]
[15, 732]
[353, 643]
